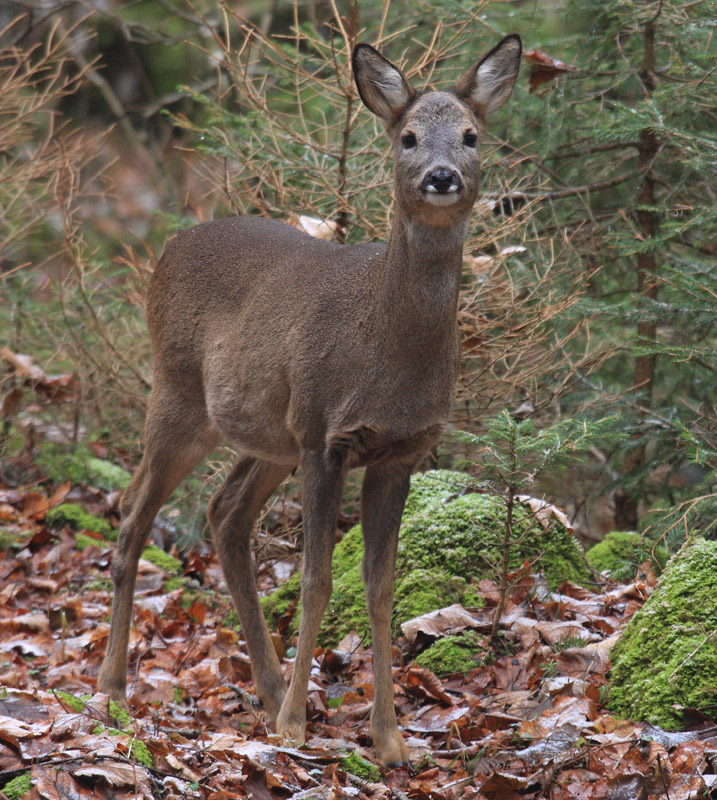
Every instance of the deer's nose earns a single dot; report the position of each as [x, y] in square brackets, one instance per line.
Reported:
[441, 180]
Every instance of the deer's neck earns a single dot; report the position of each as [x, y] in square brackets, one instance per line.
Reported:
[422, 268]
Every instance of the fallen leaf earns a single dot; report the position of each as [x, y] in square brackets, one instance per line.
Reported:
[117, 774]
[544, 68]
[319, 228]
[544, 511]
[453, 618]
[425, 680]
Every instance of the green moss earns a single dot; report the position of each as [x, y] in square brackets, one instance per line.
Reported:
[99, 585]
[422, 590]
[277, 603]
[620, 554]
[82, 542]
[438, 486]
[120, 714]
[663, 658]
[75, 517]
[449, 541]
[360, 768]
[472, 598]
[172, 584]
[81, 467]
[75, 703]
[163, 560]
[10, 539]
[18, 786]
[452, 654]
[139, 752]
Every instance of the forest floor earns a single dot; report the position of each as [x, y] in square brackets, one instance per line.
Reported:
[527, 722]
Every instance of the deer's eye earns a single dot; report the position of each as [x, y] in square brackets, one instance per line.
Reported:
[408, 140]
[470, 139]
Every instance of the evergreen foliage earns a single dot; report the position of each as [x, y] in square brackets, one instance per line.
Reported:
[630, 144]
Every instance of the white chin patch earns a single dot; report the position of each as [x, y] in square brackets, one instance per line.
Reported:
[436, 199]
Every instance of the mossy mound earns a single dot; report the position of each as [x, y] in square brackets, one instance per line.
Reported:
[456, 653]
[78, 519]
[81, 467]
[664, 658]
[450, 540]
[620, 554]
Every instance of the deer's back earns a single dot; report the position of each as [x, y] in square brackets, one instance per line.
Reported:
[282, 336]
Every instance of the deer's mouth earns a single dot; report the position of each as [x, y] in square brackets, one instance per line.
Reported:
[441, 198]
[441, 186]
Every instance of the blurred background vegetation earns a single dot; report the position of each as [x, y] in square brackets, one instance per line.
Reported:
[590, 284]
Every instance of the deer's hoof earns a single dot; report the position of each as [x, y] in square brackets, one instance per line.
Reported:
[116, 691]
[291, 730]
[272, 700]
[391, 748]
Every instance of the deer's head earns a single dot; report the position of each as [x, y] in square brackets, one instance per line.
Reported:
[436, 135]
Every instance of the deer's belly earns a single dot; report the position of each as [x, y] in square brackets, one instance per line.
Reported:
[366, 446]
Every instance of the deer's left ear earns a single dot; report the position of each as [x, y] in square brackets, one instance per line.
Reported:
[487, 85]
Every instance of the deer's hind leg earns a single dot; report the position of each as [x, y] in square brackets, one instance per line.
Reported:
[177, 438]
[232, 514]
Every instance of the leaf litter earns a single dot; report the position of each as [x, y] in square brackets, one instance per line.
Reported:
[527, 722]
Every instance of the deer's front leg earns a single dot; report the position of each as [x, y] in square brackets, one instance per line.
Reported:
[324, 476]
[383, 497]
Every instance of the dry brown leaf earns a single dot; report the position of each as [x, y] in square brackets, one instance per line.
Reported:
[453, 618]
[424, 679]
[318, 228]
[117, 774]
[544, 68]
[34, 622]
[56, 784]
[544, 511]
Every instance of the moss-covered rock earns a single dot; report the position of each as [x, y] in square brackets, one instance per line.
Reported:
[81, 466]
[164, 561]
[620, 554]
[456, 653]
[78, 519]
[450, 539]
[17, 787]
[664, 658]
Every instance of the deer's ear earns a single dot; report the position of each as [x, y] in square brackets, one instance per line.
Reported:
[382, 86]
[487, 85]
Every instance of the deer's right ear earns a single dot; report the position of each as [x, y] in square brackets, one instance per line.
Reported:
[382, 86]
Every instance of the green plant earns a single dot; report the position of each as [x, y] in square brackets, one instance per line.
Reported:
[567, 642]
[511, 454]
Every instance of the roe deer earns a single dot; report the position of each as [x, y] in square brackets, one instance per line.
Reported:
[301, 351]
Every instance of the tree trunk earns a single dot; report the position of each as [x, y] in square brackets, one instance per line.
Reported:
[626, 511]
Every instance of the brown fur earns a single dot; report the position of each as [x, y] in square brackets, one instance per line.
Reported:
[300, 351]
